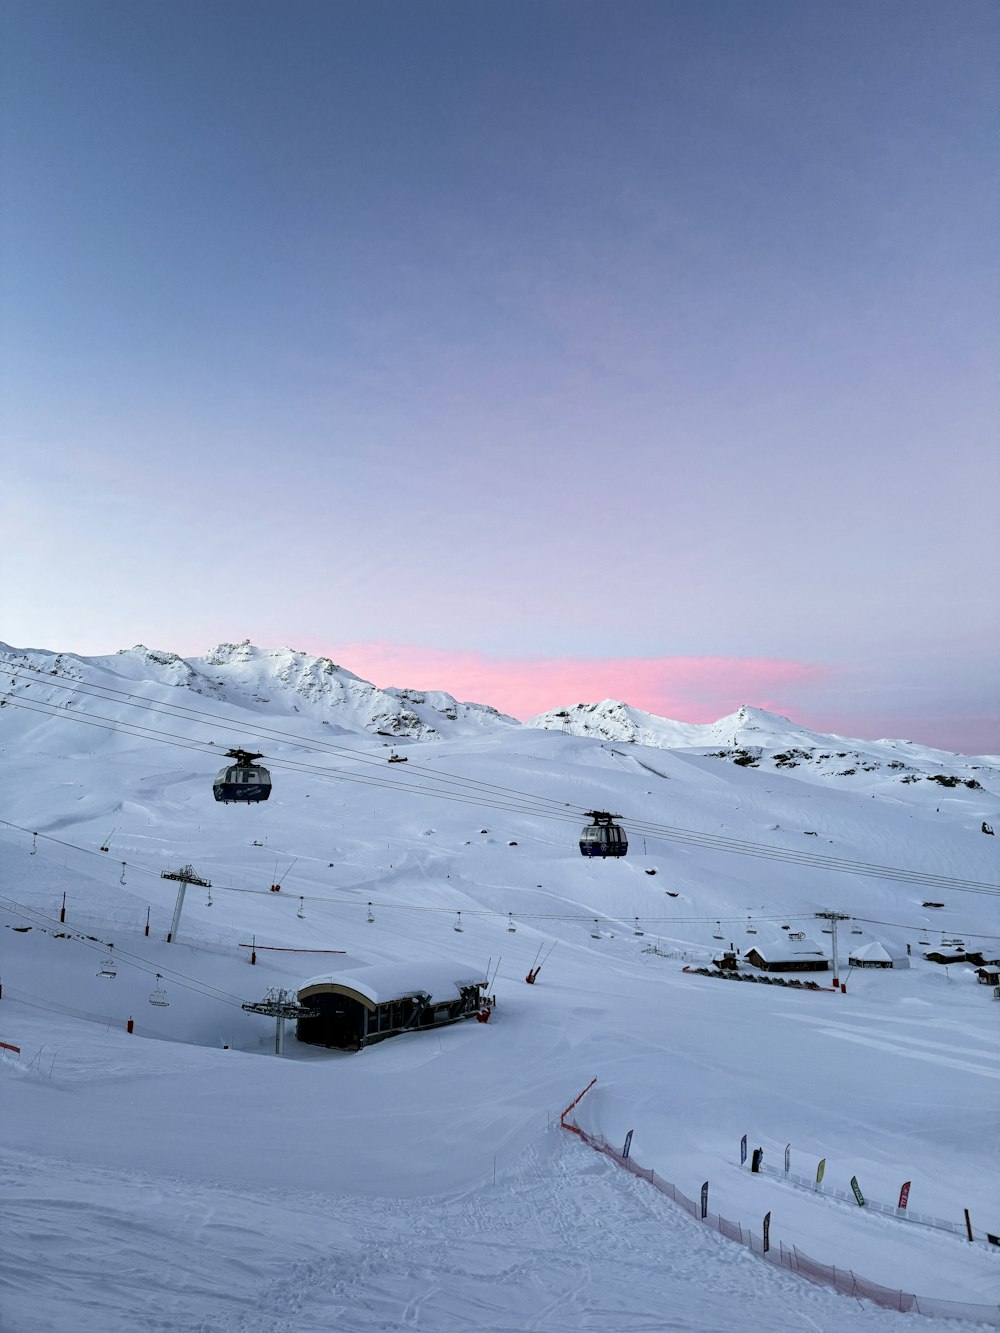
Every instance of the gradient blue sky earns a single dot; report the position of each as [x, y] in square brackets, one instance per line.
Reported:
[538, 345]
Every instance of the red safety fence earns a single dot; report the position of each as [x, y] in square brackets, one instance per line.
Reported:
[792, 1258]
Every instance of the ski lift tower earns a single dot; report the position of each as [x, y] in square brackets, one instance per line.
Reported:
[186, 876]
[279, 1004]
[833, 918]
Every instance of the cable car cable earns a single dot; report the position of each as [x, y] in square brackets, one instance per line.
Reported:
[185, 713]
[666, 832]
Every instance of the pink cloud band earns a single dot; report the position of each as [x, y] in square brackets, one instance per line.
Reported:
[686, 689]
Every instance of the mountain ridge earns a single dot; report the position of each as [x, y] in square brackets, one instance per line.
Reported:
[291, 681]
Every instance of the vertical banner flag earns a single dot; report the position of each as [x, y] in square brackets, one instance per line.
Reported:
[704, 1200]
[820, 1169]
[767, 1232]
[788, 1158]
[904, 1195]
[628, 1145]
[743, 1149]
[857, 1191]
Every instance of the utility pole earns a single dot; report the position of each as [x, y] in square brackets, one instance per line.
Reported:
[186, 876]
[833, 918]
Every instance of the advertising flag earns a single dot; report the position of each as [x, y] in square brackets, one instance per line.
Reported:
[767, 1232]
[743, 1149]
[820, 1169]
[704, 1199]
[788, 1158]
[628, 1145]
[857, 1191]
[904, 1195]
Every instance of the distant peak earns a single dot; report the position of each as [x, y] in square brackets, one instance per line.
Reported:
[230, 652]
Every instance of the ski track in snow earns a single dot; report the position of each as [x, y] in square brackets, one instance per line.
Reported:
[564, 1243]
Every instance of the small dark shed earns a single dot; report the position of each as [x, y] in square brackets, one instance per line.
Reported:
[728, 962]
[360, 1007]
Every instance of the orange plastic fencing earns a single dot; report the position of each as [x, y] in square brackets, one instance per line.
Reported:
[792, 1258]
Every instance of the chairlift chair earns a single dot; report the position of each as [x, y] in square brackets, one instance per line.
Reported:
[108, 968]
[458, 923]
[371, 918]
[638, 929]
[511, 928]
[595, 934]
[158, 996]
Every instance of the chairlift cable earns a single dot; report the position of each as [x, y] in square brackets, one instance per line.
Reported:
[329, 901]
[35, 916]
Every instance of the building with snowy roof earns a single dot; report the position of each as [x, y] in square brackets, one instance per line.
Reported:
[356, 1008]
[877, 953]
[793, 952]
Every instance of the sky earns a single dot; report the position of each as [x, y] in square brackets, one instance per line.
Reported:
[538, 351]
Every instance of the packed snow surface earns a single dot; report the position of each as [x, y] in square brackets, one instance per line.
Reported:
[182, 1177]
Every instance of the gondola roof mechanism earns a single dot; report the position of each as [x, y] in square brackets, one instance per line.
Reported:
[244, 780]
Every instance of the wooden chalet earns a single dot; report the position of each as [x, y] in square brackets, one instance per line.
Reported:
[793, 952]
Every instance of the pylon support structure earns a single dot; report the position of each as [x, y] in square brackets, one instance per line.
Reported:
[186, 876]
[279, 1004]
[833, 918]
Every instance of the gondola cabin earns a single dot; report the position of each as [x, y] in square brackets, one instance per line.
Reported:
[603, 837]
[244, 779]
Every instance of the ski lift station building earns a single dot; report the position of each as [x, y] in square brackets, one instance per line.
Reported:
[365, 1005]
[793, 952]
[878, 953]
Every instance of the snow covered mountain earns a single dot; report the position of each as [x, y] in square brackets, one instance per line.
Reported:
[282, 681]
[754, 738]
[286, 682]
[424, 1183]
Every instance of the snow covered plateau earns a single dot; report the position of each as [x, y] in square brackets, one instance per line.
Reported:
[183, 1178]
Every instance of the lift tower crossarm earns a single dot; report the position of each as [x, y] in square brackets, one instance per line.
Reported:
[279, 1005]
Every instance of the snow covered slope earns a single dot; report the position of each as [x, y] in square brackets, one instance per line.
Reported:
[183, 1178]
[281, 680]
[752, 737]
